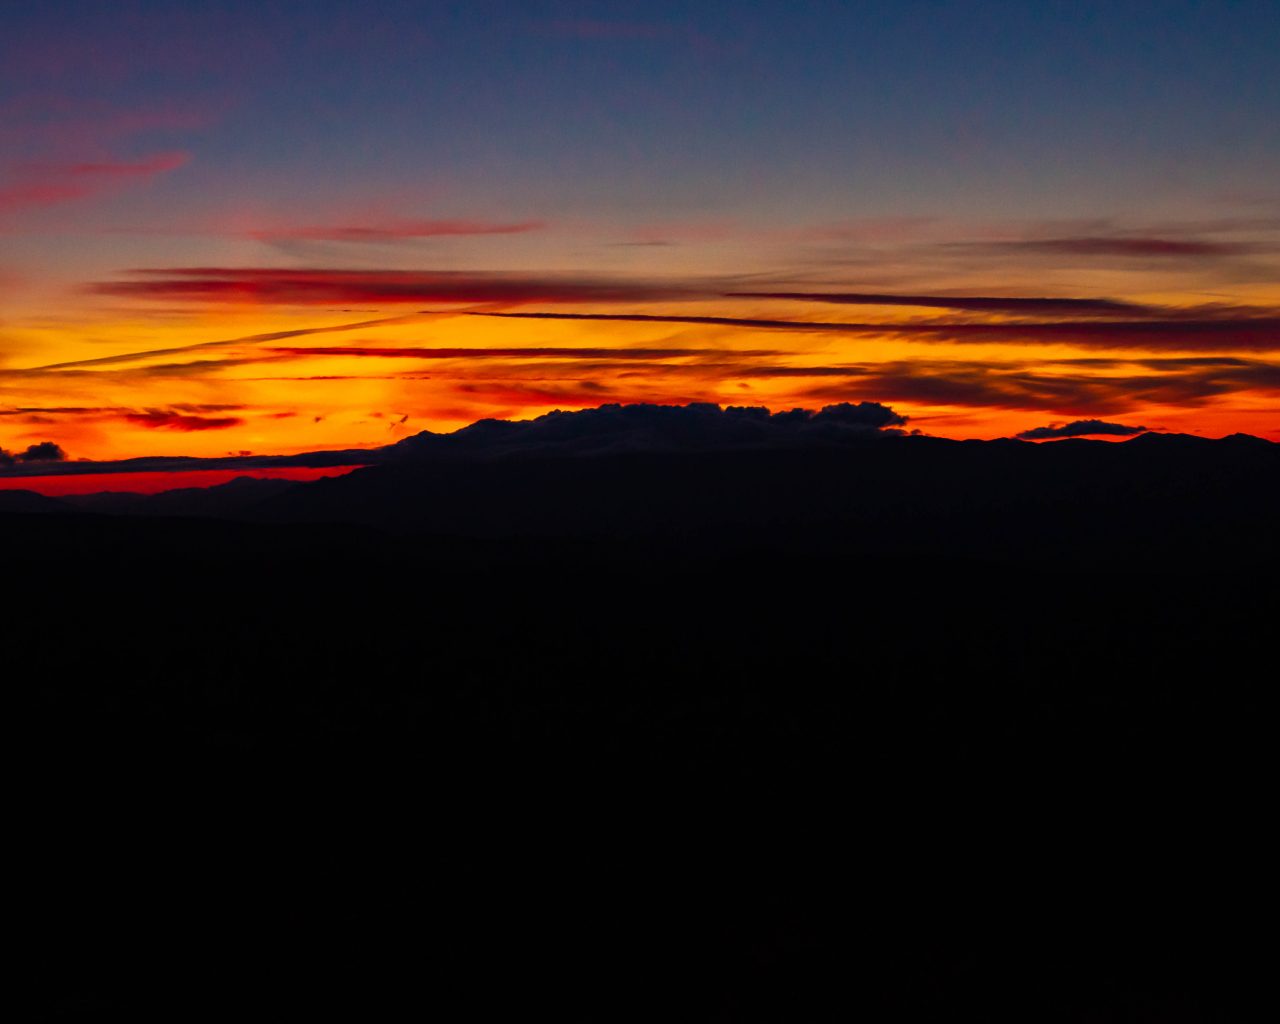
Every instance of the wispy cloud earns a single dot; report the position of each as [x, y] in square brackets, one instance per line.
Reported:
[160, 419]
[514, 352]
[178, 416]
[248, 339]
[1142, 248]
[971, 303]
[1026, 387]
[36, 185]
[108, 169]
[1260, 334]
[395, 230]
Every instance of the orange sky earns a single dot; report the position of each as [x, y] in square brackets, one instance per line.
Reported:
[176, 373]
[280, 228]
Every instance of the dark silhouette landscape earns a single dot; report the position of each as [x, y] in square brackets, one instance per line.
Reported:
[618, 511]
[658, 713]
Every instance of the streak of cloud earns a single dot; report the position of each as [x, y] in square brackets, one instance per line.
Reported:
[337, 287]
[248, 339]
[618, 352]
[1142, 248]
[396, 230]
[49, 184]
[158, 419]
[983, 304]
[1261, 334]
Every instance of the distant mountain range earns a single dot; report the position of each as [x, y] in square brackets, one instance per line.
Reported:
[847, 477]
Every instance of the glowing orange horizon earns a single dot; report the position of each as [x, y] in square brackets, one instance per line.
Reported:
[259, 368]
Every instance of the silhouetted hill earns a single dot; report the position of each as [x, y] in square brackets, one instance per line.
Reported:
[896, 727]
[1156, 497]
[30, 502]
[217, 501]
[844, 477]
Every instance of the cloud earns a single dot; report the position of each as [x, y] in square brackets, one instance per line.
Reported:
[38, 185]
[1211, 328]
[45, 451]
[62, 410]
[1040, 306]
[864, 414]
[323, 287]
[1261, 334]
[35, 194]
[249, 339]
[205, 407]
[1143, 248]
[397, 230]
[1025, 387]
[157, 164]
[1080, 428]
[157, 419]
[597, 352]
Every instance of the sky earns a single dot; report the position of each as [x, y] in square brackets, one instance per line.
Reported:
[282, 227]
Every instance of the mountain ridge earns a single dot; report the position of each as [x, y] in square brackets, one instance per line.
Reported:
[612, 427]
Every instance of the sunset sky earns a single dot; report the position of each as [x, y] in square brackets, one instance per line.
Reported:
[282, 227]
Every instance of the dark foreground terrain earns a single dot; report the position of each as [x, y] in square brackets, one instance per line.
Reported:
[937, 751]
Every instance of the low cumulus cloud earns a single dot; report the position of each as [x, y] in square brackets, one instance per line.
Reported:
[1080, 428]
[642, 427]
[44, 451]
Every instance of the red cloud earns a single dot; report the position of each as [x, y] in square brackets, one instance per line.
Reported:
[17, 197]
[157, 164]
[155, 419]
[48, 184]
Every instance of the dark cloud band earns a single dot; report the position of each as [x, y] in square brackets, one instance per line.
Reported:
[1261, 334]
[977, 304]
